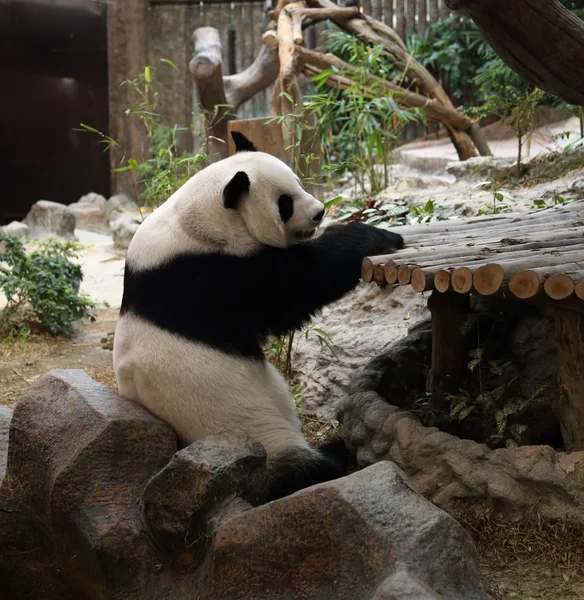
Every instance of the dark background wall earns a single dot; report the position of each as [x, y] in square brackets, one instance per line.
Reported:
[53, 68]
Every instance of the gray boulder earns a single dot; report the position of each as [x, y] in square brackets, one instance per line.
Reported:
[578, 188]
[118, 204]
[17, 229]
[50, 219]
[123, 230]
[91, 213]
[480, 167]
[366, 536]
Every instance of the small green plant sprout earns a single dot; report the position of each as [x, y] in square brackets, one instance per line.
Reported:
[166, 168]
[425, 213]
[322, 337]
[41, 288]
[499, 196]
[555, 200]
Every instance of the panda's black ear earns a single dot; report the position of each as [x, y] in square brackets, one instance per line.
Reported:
[235, 189]
[242, 143]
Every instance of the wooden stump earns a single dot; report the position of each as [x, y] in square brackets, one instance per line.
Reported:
[449, 351]
[266, 137]
[570, 349]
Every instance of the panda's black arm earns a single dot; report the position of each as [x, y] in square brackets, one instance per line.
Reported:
[299, 280]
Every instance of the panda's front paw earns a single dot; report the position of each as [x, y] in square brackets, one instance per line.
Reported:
[394, 241]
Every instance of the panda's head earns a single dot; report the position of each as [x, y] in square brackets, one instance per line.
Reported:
[269, 197]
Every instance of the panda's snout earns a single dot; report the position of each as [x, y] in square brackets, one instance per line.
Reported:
[318, 216]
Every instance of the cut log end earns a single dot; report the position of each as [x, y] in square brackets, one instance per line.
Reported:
[422, 281]
[390, 268]
[559, 286]
[367, 270]
[525, 285]
[378, 274]
[461, 280]
[404, 274]
[442, 280]
[488, 279]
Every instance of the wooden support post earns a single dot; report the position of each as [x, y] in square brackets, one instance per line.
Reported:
[449, 351]
[570, 349]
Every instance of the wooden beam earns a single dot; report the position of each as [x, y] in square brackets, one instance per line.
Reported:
[539, 39]
[570, 351]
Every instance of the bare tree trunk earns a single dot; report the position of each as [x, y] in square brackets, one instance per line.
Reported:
[206, 69]
[539, 39]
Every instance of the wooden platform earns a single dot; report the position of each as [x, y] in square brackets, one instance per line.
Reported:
[535, 258]
[528, 256]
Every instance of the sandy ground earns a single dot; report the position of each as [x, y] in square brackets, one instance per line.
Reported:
[505, 145]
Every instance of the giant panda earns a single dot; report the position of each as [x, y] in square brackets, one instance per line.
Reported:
[228, 260]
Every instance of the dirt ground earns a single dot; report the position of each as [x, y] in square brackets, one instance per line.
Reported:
[526, 561]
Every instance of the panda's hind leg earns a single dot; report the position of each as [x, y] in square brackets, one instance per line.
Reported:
[297, 468]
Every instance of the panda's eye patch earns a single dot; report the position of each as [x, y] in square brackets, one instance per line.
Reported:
[286, 207]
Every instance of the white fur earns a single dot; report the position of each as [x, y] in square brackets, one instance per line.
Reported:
[198, 390]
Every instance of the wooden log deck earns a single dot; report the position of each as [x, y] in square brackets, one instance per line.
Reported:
[536, 258]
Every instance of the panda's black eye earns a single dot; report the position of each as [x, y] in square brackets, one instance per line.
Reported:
[286, 207]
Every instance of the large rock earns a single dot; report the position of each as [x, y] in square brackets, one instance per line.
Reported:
[119, 204]
[578, 188]
[78, 460]
[123, 230]
[366, 536]
[362, 325]
[97, 503]
[91, 213]
[46, 219]
[203, 476]
[17, 229]
[447, 469]
[480, 167]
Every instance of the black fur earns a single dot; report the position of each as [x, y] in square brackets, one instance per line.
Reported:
[235, 189]
[298, 468]
[234, 303]
[286, 207]
[242, 144]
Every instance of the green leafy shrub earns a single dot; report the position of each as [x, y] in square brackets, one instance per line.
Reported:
[41, 287]
[511, 98]
[359, 131]
[452, 50]
[167, 168]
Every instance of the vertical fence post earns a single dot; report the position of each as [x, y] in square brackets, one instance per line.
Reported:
[422, 16]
